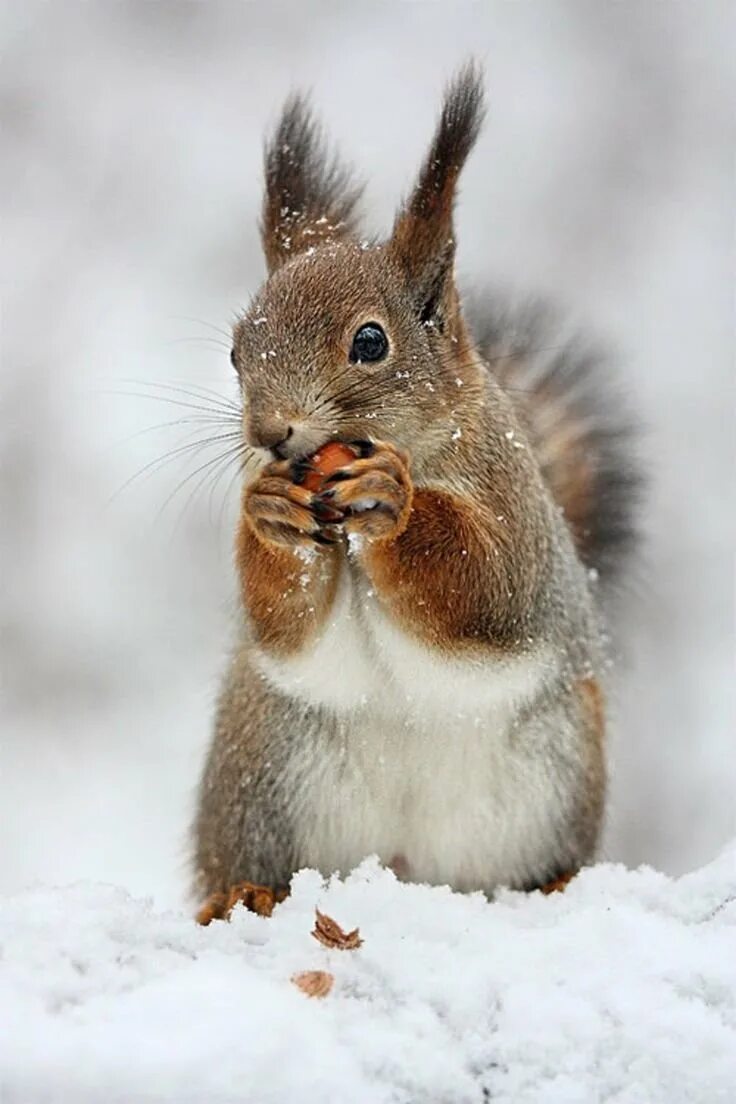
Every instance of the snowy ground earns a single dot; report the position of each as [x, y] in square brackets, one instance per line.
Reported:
[621, 990]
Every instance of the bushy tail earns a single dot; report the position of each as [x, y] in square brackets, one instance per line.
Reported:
[585, 440]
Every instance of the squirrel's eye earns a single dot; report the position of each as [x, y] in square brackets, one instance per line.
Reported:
[233, 361]
[369, 344]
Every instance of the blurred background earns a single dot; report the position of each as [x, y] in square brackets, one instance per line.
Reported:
[131, 147]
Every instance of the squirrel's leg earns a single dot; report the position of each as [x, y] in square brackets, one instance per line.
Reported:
[286, 559]
[559, 885]
[447, 569]
[246, 841]
[288, 571]
[256, 898]
[585, 710]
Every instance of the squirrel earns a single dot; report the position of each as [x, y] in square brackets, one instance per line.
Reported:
[420, 670]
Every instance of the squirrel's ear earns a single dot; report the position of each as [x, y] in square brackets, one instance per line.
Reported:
[423, 238]
[310, 197]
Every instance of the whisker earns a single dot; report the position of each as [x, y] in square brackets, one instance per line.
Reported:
[219, 473]
[189, 419]
[241, 458]
[240, 470]
[201, 322]
[206, 341]
[192, 391]
[340, 374]
[357, 387]
[192, 475]
[232, 414]
[161, 461]
[367, 393]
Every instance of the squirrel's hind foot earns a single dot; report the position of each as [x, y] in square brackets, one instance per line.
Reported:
[559, 885]
[257, 898]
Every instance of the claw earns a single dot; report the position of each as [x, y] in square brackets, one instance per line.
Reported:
[365, 448]
[299, 471]
[323, 512]
[327, 535]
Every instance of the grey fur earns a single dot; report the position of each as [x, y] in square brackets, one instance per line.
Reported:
[473, 742]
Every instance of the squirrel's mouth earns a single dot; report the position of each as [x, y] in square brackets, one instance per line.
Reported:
[279, 439]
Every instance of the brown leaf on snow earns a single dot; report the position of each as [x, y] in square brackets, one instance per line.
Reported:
[315, 983]
[329, 933]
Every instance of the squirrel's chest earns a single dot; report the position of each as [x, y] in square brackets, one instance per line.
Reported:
[341, 667]
[361, 658]
[419, 758]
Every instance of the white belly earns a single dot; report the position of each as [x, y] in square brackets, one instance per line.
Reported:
[426, 764]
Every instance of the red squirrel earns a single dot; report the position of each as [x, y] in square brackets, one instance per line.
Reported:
[419, 672]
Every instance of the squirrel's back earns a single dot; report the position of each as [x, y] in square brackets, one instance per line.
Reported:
[584, 435]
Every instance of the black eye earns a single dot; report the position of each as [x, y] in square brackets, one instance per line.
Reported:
[233, 361]
[369, 344]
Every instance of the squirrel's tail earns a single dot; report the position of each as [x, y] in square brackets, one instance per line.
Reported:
[584, 437]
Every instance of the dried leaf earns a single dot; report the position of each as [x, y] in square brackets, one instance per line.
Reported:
[329, 933]
[315, 983]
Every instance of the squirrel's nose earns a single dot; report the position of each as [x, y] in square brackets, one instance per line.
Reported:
[272, 435]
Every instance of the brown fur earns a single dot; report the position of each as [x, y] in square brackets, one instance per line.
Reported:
[570, 476]
[309, 197]
[435, 575]
[591, 695]
[256, 898]
[559, 885]
[592, 795]
[462, 540]
[584, 437]
[423, 237]
[286, 598]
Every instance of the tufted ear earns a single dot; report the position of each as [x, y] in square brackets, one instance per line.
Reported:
[310, 197]
[423, 238]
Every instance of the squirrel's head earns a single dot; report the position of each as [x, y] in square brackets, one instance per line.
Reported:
[352, 339]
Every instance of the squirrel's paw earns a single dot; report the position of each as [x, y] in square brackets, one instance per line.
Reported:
[559, 885]
[282, 512]
[257, 898]
[374, 493]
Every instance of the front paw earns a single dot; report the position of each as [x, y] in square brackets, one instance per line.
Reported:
[374, 493]
[281, 511]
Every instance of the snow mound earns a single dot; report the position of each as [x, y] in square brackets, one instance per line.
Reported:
[621, 990]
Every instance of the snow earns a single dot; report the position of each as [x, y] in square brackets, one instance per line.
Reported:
[622, 989]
